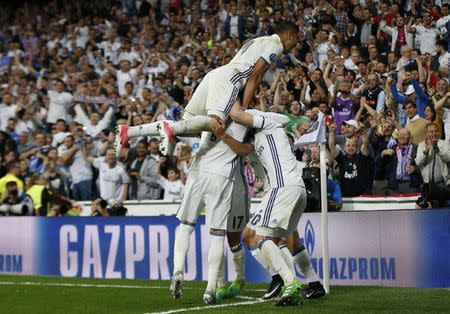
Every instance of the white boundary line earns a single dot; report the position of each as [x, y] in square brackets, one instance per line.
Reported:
[250, 301]
[85, 285]
[210, 307]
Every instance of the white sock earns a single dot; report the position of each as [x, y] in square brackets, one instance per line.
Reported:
[303, 261]
[288, 258]
[181, 247]
[214, 259]
[263, 261]
[221, 276]
[274, 255]
[195, 124]
[239, 261]
[148, 129]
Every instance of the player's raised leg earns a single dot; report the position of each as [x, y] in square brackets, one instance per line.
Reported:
[124, 133]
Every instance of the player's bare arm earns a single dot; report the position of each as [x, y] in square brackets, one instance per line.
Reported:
[219, 128]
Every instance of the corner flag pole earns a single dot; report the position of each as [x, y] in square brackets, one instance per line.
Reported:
[324, 205]
[316, 135]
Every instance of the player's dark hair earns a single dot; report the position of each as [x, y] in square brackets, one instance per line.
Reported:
[286, 26]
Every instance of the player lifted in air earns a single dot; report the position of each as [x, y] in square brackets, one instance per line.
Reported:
[218, 90]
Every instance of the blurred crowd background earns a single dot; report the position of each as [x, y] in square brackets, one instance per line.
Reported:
[71, 70]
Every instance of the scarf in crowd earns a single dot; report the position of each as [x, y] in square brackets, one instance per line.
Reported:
[403, 159]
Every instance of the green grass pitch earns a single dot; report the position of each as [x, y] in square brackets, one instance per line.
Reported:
[26, 294]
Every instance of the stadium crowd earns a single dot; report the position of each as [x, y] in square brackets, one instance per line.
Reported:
[71, 70]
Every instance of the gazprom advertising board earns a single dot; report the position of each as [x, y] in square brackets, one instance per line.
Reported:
[395, 248]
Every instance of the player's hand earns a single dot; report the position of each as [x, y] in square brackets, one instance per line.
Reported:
[218, 127]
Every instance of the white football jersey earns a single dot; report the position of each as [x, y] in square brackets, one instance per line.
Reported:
[267, 47]
[214, 156]
[273, 149]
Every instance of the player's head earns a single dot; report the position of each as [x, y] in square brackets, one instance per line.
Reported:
[289, 35]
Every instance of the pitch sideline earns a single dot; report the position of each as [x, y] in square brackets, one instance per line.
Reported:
[210, 307]
[86, 285]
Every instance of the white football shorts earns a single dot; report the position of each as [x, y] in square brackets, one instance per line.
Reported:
[215, 95]
[210, 190]
[279, 212]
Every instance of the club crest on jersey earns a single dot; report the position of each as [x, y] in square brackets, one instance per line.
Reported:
[272, 57]
[259, 151]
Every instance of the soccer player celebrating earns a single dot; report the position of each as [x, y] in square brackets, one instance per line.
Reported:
[281, 207]
[215, 95]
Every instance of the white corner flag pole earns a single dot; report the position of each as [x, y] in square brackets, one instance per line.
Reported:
[316, 135]
[324, 205]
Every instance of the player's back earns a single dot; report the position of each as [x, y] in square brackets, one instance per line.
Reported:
[214, 156]
[269, 48]
[275, 153]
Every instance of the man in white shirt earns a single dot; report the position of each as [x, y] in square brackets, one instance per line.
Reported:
[125, 74]
[60, 101]
[113, 178]
[444, 58]
[80, 170]
[426, 34]
[110, 47]
[93, 124]
[128, 54]
[7, 110]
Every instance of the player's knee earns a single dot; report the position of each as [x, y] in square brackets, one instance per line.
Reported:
[248, 237]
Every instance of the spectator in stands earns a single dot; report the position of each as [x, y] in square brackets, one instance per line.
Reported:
[172, 185]
[433, 156]
[13, 174]
[25, 174]
[7, 110]
[426, 34]
[354, 166]
[16, 202]
[153, 148]
[404, 175]
[60, 101]
[39, 193]
[414, 93]
[384, 158]
[80, 170]
[113, 178]
[24, 143]
[333, 188]
[415, 124]
[144, 182]
[442, 107]
[94, 124]
[344, 105]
